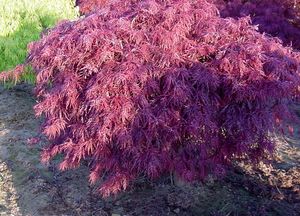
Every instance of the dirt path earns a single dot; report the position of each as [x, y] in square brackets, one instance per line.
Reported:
[29, 188]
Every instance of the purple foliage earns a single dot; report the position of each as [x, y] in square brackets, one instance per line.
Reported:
[157, 86]
[88, 6]
[279, 18]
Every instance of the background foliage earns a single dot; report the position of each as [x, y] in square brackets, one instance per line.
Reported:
[22, 21]
[278, 18]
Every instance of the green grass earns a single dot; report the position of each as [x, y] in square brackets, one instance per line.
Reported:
[22, 21]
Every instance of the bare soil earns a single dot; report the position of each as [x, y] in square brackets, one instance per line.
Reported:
[29, 188]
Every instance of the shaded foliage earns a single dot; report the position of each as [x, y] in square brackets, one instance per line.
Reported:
[157, 86]
[279, 18]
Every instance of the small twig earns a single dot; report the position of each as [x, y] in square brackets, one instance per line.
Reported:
[172, 178]
[278, 189]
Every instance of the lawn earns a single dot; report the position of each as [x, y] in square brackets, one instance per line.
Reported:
[22, 21]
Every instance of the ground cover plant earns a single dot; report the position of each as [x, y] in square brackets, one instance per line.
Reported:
[22, 22]
[275, 17]
[153, 87]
